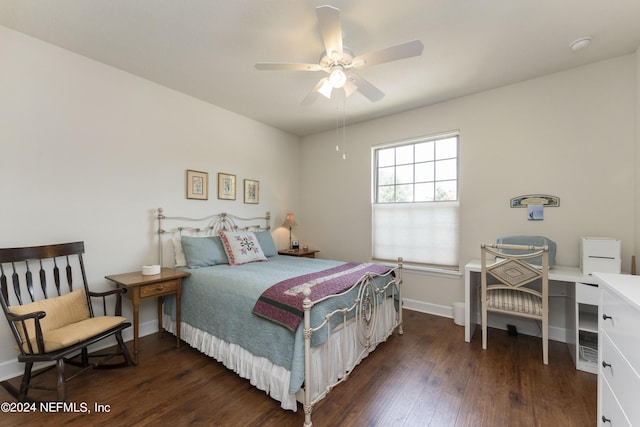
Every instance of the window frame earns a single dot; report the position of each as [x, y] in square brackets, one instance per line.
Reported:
[414, 142]
[423, 259]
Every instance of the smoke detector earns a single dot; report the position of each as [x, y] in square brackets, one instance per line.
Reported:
[580, 44]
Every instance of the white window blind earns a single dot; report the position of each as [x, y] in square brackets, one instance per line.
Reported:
[421, 233]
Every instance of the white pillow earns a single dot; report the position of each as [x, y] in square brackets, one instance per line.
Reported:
[181, 259]
[242, 247]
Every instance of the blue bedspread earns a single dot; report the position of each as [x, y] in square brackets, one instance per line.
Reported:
[220, 299]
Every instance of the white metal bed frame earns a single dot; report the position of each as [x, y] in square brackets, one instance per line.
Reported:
[365, 307]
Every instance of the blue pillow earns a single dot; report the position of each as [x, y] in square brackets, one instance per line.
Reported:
[203, 251]
[265, 239]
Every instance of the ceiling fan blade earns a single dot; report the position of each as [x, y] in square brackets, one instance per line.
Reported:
[313, 94]
[287, 66]
[349, 87]
[367, 89]
[329, 20]
[393, 53]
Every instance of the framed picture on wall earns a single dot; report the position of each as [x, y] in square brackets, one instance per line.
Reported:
[226, 186]
[251, 191]
[197, 185]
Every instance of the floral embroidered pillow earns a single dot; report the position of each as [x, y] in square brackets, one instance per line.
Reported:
[242, 247]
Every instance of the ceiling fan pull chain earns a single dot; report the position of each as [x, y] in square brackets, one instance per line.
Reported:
[344, 127]
[337, 127]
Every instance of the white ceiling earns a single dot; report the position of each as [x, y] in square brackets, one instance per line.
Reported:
[208, 48]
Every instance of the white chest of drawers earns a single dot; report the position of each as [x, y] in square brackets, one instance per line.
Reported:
[619, 355]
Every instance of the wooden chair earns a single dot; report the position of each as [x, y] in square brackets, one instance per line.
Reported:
[55, 322]
[506, 276]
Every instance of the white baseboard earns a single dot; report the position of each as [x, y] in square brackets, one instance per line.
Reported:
[424, 307]
[12, 368]
[524, 326]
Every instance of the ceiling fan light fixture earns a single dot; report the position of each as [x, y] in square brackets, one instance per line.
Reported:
[337, 78]
[326, 88]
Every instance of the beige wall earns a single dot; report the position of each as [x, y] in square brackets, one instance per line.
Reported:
[570, 134]
[89, 152]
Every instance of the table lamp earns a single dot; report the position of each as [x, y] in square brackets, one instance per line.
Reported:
[290, 222]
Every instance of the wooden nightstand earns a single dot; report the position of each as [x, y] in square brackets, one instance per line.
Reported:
[308, 253]
[138, 287]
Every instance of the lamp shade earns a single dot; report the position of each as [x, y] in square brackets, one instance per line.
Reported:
[290, 221]
[326, 88]
[337, 78]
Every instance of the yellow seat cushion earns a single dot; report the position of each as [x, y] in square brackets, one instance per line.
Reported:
[67, 321]
[76, 332]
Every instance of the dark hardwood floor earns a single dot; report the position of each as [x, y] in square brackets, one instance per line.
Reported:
[427, 377]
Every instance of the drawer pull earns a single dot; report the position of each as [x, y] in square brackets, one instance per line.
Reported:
[605, 420]
[605, 364]
[605, 317]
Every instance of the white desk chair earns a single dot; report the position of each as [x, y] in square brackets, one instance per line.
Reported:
[505, 290]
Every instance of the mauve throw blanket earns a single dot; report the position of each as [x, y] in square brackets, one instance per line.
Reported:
[282, 302]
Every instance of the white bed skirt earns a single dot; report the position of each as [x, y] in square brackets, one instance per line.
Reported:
[343, 346]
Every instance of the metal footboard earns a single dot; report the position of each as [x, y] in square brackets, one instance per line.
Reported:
[365, 312]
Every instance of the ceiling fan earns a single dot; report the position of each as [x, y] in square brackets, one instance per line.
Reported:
[340, 62]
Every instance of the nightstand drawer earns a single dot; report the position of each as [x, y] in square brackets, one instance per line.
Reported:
[160, 288]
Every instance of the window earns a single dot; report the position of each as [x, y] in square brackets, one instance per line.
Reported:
[415, 201]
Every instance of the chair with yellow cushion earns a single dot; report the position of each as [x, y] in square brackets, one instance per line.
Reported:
[50, 320]
[515, 281]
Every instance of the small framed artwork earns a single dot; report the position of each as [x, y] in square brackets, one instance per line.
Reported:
[197, 185]
[251, 191]
[226, 186]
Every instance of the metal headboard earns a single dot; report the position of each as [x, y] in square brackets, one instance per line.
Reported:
[210, 224]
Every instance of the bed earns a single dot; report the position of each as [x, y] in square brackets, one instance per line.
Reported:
[295, 350]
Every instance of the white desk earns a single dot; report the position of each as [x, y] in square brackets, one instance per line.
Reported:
[570, 275]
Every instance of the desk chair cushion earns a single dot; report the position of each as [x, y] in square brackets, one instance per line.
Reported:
[511, 300]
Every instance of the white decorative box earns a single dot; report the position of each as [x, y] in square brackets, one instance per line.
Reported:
[600, 254]
[150, 270]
